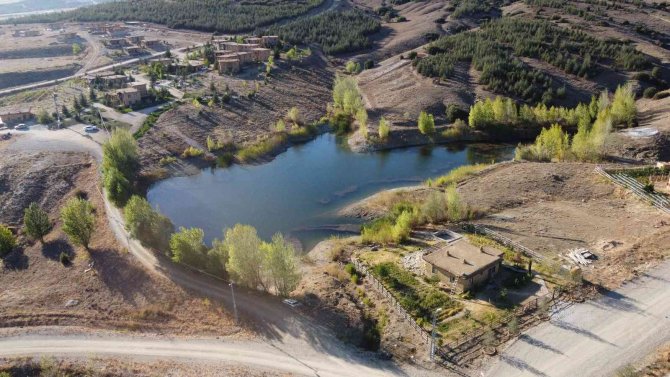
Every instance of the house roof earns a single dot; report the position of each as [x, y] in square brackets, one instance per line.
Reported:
[463, 258]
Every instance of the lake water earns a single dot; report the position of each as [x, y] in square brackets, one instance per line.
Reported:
[300, 192]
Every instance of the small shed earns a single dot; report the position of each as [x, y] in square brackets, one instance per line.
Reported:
[463, 265]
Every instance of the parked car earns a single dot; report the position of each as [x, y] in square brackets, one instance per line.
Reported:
[91, 129]
[291, 302]
[21, 127]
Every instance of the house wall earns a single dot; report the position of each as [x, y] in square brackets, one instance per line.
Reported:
[463, 283]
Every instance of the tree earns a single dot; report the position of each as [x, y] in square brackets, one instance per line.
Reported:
[362, 119]
[82, 100]
[78, 221]
[623, 106]
[36, 222]
[426, 123]
[553, 143]
[76, 49]
[117, 186]
[245, 262]
[44, 117]
[384, 128]
[187, 247]
[92, 94]
[281, 264]
[352, 67]
[168, 53]
[65, 112]
[456, 210]
[7, 241]
[119, 154]
[146, 224]
[293, 115]
[76, 106]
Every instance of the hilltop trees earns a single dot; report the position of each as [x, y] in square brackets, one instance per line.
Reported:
[495, 50]
[335, 31]
[245, 257]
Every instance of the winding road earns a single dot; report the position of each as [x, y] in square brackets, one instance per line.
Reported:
[595, 338]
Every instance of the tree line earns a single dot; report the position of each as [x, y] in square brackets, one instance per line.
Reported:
[495, 49]
[240, 255]
[207, 15]
[595, 123]
[335, 31]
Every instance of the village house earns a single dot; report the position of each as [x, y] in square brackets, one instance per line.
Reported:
[115, 43]
[231, 56]
[463, 265]
[135, 39]
[26, 33]
[133, 50]
[151, 43]
[13, 117]
[113, 81]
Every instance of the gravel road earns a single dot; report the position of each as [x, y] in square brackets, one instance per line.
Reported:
[596, 338]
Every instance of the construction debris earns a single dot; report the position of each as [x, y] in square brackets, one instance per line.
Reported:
[581, 256]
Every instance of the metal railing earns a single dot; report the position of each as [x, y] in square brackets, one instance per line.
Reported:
[620, 178]
[507, 241]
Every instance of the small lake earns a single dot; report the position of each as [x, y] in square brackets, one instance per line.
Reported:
[300, 192]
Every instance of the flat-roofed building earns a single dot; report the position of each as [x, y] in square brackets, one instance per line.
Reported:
[463, 265]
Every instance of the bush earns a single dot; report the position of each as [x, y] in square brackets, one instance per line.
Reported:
[261, 148]
[457, 175]
[7, 241]
[352, 67]
[36, 222]
[369, 64]
[187, 247]
[426, 123]
[120, 163]
[78, 221]
[455, 112]
[661, 95]
[117, 186]
[146, 224]
[650, 92]
[384, 128]
[192, 152]
[64, 258]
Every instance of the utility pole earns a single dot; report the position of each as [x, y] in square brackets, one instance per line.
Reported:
[432, 335]
[58, 122]
[232, 290]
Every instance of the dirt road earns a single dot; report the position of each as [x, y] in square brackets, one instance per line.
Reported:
[250, 354]
[596, 338]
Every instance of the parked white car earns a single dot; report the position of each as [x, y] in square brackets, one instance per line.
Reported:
[21, 127]
[291, 302]
[90, 129]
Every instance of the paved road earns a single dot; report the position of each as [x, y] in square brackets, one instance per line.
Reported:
[250, 354]
[596, 338]
[41, 84]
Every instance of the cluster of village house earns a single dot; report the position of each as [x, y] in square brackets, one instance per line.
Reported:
[125, 94]
[134, 44]
[231, 55]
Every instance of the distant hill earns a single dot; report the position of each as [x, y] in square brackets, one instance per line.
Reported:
[205, 15]
[26, 6]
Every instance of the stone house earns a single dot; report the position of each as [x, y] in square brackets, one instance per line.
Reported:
[12, 117]
[463, 265]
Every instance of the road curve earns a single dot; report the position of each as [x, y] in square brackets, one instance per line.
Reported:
[250, 354]
[596, 338]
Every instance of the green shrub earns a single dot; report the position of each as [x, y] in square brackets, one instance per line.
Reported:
[146, 224]
[384, 128]
[261, 148]
[167, 160]
[650, 92]
[187, 247]
[78, 221]
[457, 175]
[7, 241]
[350, 268]
[661, 95]
[64, 258]
[192, 152]
[118, 187]
[426, 123]
[36, 222]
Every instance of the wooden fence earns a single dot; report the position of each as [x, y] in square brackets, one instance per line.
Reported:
[620, 178]
[394, 302]
[469, 345]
